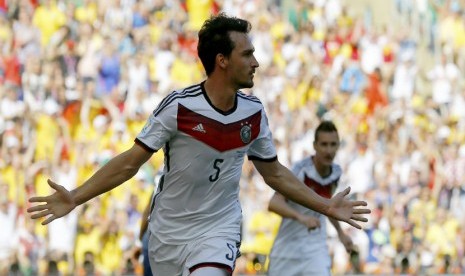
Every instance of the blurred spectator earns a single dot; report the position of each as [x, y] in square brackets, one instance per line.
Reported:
[8, 238]
[48, 18]
[444, 77]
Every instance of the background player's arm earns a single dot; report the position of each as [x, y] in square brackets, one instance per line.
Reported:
[114, 173]
[345, 239]
[283, 181]
[279, 206]
[145, 221]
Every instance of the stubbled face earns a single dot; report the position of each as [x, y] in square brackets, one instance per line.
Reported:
[326, 146]
[242, 62]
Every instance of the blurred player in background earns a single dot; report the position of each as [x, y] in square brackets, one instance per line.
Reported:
[300, 247]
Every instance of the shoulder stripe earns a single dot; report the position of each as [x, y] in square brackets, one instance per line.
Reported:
[178, 92]
[249, 97]
[172, 95]
[172, 99]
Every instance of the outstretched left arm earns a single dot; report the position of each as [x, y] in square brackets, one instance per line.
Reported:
[339, 207]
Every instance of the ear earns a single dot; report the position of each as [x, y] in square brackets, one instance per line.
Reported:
[222, 61]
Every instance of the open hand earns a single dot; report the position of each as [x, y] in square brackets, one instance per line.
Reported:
[56, 205]
[347, 210]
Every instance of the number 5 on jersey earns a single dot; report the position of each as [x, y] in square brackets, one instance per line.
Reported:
[231, 256]
[216, 167]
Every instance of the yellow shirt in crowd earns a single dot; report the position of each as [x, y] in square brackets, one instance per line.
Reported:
[48, 20]
[184, 72]
[111, 255]
[47, 133]
[198, 11]
[15, 181]
[87, 13]
[265, 226]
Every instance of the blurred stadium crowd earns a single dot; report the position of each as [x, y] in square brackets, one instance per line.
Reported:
[78, 78]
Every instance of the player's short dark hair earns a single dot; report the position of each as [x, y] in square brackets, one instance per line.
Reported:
[214, 38]
[325, 126]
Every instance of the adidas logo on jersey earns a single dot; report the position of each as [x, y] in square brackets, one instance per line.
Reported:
[199, 128]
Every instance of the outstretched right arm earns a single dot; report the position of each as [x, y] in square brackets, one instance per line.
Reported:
[117, 171]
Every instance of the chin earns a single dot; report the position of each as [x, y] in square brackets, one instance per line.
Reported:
[326, 162]
[248, 84]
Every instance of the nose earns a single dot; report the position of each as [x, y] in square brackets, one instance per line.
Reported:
[329, 150]
[255, 63]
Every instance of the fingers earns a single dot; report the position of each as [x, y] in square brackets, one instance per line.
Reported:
[359, 203]
[51, 183]
[41, 214]
[359, 218]
[49, 219]
[313, 227]
[312, 224]
[346, 191]
[55, 186]
[46, 198]
[354, 224]
[38, 208]
[362, 211]
[38, 199]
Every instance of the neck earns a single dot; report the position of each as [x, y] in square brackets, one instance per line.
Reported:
[322, 169]
[221, 96]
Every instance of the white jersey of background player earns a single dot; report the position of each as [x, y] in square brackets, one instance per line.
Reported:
[300, 247]
[205, 131]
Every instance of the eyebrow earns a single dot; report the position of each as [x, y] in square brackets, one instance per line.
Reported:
[329, 142]
[250, 49]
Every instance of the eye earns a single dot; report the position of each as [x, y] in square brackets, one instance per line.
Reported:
[248, 53]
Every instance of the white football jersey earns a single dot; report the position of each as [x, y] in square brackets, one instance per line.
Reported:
[295, 240]
[204, 151]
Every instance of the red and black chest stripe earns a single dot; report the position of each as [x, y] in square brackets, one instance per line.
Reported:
[222, 137]
[322, 190]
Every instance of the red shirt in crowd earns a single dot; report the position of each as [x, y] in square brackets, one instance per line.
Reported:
[12, 70]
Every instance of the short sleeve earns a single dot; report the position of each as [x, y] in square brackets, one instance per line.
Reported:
[159, 128]
[262, 148]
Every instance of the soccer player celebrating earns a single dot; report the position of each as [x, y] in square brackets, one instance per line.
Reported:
[300, 246]
[205, 131]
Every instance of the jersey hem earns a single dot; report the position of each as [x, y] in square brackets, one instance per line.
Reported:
[211, 264]
[272, 159]
[144, 146]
